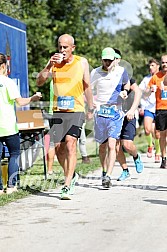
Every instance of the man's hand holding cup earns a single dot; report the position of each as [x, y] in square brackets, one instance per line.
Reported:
[57, 58]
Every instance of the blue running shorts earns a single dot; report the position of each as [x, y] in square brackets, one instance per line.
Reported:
[106, 127]
[149, 114]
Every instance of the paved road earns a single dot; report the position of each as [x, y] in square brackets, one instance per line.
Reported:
[131, 216]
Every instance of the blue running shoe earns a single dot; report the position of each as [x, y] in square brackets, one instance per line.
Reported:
[139, 164]
[125, 175]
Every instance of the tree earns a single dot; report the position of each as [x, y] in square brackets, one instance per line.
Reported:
[10, 8]
[34, 13]
[151, 35]
[47, 19]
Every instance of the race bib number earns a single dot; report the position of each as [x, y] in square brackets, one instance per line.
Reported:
[163, 94]
[65, 102]
[106, 111]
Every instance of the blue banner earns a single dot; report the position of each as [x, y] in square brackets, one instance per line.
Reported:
[13, 43]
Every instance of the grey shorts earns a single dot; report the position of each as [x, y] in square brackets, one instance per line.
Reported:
[67, 123]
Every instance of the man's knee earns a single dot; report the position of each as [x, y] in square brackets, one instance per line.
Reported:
[127, 144]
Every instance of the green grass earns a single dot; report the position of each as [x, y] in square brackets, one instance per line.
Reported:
[32, 181]
[141, 143]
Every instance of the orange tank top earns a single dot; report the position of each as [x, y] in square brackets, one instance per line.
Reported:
[157, 79]
[68, 86]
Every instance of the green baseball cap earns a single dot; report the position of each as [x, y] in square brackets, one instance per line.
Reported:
[108, 53]
[117, 56]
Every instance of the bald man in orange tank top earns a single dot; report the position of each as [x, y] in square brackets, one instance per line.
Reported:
[71, 81]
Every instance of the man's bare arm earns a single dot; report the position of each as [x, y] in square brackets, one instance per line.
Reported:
[130, 114]
[42, 77]
[46, 72]
[86, 84]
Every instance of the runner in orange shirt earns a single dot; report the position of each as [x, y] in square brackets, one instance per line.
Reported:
[158, 84]
[70, 74]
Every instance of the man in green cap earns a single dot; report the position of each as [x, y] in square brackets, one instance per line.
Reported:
[110, 83]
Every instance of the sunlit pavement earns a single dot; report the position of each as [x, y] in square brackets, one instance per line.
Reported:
[130, 216]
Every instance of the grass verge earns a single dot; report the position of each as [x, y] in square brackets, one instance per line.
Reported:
[32, 181]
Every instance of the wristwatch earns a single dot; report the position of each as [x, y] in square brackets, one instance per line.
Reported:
[126, 90]
[91, 110]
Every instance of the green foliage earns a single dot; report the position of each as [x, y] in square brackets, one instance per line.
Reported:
[47, 20]
[10, 8]
[151, 35]
[140, 43]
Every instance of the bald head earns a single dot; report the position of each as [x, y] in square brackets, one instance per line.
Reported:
[66, 38]
[66, 47]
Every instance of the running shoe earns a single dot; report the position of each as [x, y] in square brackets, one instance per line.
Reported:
[139, 164]
[163, 164]
[11, 190]
[149, 152]
[125, 175]
[85, 160]
[157, 158]
[106, 182]
[50, 175]
[73, 182]
[1, 192]
[65, 193]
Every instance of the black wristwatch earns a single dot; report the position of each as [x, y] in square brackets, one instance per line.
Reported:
[91, 110]
[126, 91]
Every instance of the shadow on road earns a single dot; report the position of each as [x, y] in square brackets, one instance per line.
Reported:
[159, 202]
